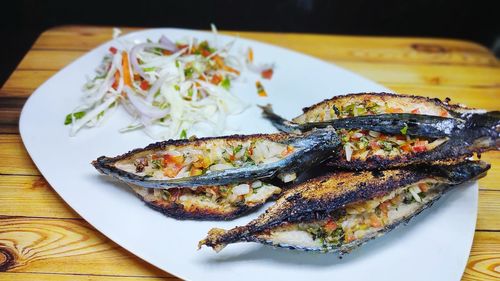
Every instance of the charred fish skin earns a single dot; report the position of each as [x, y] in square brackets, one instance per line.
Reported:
[392, 123]
[449, 131]
[308, 149]
[321, 197]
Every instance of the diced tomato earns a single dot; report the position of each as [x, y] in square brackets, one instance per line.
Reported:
[420, 146]
[330, 226]
[406, 148]
[166, 52]
[349, 237]
[113, 50]
[267, 74]
[415, 111]
[395, 110]
[173, 159]
[117, 80]
[423, 186]
[172, 170]
[216, 79]
[374, 145]
[375, 221]
[205, 52]
[182, 46]
[384, 207]
[232, 157]
[250, 151]
[137, 77]
[145, 85]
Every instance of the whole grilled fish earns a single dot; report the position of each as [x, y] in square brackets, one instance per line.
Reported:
[220, 160]
[340, 211]
[388, 130]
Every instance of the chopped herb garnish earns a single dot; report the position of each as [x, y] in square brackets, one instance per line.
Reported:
[157, 164]
[188, 72]
[404, 130]
[237, 149]
[183, 134]
[177, 88]
[226, 83]
[147, 69]
[76, 115]
[100, 115]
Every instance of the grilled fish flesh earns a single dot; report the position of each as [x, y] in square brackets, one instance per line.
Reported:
[388, 130]
[340, 211]
[220, 160]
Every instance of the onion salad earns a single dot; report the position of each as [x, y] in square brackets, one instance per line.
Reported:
[167, 87]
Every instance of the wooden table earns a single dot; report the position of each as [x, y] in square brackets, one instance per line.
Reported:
[42, 238]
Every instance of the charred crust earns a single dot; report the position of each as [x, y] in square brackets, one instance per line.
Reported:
[418, 99]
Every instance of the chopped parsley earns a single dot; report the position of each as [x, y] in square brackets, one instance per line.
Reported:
[404, 129]
[226, 83]
[183, 134]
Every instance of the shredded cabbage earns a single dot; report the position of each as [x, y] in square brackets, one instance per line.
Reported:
[167, 88]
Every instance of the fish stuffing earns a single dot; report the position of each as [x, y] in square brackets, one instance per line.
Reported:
[388, 130]
[223, 202]
[340, 211]
[220, 160]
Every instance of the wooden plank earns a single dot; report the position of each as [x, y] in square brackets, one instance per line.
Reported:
[40, 245]
[15, 158]
[488, 210]
[32, 196]
[370, 49]
[69, 247]
[23, 276]
[24, 82]
[484, 260]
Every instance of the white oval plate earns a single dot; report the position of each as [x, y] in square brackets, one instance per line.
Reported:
[436, 244]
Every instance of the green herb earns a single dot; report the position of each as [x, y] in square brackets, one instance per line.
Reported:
[147, 69]
[157, 164]
[363, 142]
[177, 88]
[226, 83]
[156, 94]
[190, 93]
[387, 146]
[344, 138]
[177, 64]
[188, 72]
[183, 134]
[404, 130]
[76, 116]
[237, 149]
[100, 115]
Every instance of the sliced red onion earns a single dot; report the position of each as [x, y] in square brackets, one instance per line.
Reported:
[137, 48]
[143, 108]
[156, 86]
[168, 44]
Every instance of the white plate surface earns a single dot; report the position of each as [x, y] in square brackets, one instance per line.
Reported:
[435, 245]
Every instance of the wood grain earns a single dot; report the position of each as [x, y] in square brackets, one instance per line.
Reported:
[64, 246]
[46, 240]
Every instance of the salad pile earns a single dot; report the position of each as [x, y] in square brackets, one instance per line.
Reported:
[170, 89]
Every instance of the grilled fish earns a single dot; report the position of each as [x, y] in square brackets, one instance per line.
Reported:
[220, 160]
[224, 202]
[388, 130]
[340, 211]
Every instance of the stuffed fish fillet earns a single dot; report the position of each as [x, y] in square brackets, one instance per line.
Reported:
[388, 130]
[340, 211]
[220, 160]
[217, 178]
